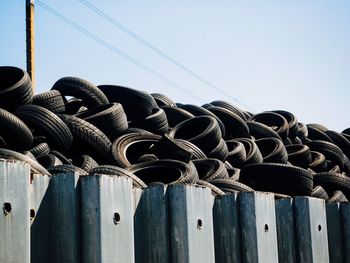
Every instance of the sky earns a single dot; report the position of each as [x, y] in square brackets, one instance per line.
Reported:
[291, 55]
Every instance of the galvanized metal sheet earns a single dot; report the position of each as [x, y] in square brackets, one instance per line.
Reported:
[226, 229]
[334, 232]
[285, 230]
[311, 230]
[151, 226]
[345, 219]
[106, 219]
[258, 227]
[14, 215]
[40, 217]
[191, 224]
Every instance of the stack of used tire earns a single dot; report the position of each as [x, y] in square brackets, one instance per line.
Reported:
[107, 129]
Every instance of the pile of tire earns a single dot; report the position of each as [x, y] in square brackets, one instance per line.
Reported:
[108, 129]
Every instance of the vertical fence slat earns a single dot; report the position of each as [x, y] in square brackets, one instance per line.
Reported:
[151, 226]
[39, 230]
[334, 233]
[226, 229]
[345, 220]
[191, 224]
[106, 219]
[14, 225]
[285, 230]
[258, 227]
[311, 230]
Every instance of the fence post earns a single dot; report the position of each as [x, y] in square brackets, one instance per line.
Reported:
[285, 230]
[191, 224]
[258, 227]
[311, 230]
[345, 216]
[106, 219]
[334, 233]
[151, 226]
[226, 229]
[40, 218]
[14, 214]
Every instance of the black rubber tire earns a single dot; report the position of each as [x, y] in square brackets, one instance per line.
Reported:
[316, 134]
[49, 160]
[16, 88]
[287, 142]
[156, 123]
[117, 171]
[66, 168]
[215, 191]
[340, 140]
[147, 157]
[197, 153]
[203, 131]
[162, 100]
[200, 111]
[230, 186]
[338, 197]
[331, 151]
[230, 107]
[234, 173]
[235, 126]
[142, 102]
[137, 130]
[87, 138]
[273, 120]
[165, 171]
[272, 150]
[237, 154]
[46, 123]
[259, 130]
[127, 149]
[81, 89]
[74, 106]
[253, 154]
[35, 167]
[319, 192]
[209, 169]
[303, 131]
[297, 140]
[40, 150]
[318, 126]
[278, 178]
[332, 182]
[176, 115]
[84, 162]
[109, 118]
[220, 152]
[292, 123]
[51, 100]
[318, 163]
[61, 157]
[299, 155]
[15, 132]
[169, 148]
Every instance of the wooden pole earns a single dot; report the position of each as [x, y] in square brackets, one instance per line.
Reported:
[30, 39]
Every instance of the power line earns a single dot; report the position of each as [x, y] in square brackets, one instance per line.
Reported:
[161, 53]
[117, 51]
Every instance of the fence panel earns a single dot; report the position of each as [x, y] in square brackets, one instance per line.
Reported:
[334, 233]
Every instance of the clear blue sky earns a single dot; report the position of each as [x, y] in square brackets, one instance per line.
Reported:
[292, 55]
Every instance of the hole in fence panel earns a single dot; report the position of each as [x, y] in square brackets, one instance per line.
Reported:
[266, 227]
[199, 223]
[319, 228]
[116, 218]
[32, 214]
[7, 208]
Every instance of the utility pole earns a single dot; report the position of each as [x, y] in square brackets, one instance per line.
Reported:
[30, 39]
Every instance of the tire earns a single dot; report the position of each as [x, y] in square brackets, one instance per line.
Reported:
[61, 157]
[46, 123]
[197, 153]
[176, 115]
[81, 89]
[148, 157]
[117, 171]
[127, 149]
[272, 150]
[165, 171]
[84, 162]
[299, 155]
[49, 160]
[40, 150]
[16, 88]
[142, 102]
[234, 173]
[74, 106]
[230, 107]
[162, 100]
[156, 123]
[318, 126]
[319, 192]
[220, 152]
[332, 182]
[51, 100]
[292, 123]
[109, 118]
[278, 178]
[237, 154]
[230, 186]
[203, 131]
[316, 134]
[209, 169]
[215, 191]
[272, 119]
[318, 163]
[87, 138]
[338, 197]
[253, 154]
[15, 132]
[339, 140]
[66, 168]
[235, 126]
[303, 131]
[260, 131]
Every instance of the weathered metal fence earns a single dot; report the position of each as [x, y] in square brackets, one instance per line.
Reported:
[101, 218]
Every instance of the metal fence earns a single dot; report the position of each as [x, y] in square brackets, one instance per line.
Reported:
[101, 218]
